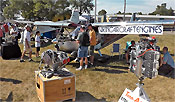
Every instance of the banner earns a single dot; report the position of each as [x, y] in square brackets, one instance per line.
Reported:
[132, 29]
[129, 96]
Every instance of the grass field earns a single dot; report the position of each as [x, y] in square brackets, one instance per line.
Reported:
[105, 82]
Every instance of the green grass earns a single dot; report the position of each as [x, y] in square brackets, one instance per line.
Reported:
[106, 81]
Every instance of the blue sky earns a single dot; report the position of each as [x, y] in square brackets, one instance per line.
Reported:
[145, 6]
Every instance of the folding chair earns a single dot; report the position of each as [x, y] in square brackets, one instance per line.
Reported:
[116, 49]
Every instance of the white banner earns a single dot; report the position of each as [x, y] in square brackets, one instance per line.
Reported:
[132, 29]
[129, 96]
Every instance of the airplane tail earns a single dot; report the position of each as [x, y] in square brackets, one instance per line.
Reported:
[133, 18]
[75, 17]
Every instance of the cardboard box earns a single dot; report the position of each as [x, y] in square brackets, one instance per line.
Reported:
[55, 88]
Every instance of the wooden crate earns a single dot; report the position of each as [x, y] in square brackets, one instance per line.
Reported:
[55, 88]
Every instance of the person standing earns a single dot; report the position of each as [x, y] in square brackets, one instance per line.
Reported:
[6, 30]
[27, 46]
[37, 43]
[83, 40]
[1, 35]
[13, 32]
[129, 50]
[93, 42]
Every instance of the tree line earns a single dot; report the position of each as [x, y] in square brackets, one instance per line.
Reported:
[44, 9]
[160, 10]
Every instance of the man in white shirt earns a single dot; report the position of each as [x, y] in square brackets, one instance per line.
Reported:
[27, 46]
[14, 33]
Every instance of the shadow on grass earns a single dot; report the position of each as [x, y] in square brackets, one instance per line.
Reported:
[109, 60]
[9, 98]
[14, 81]
[110, 71]
[103, 62]
[86, 97]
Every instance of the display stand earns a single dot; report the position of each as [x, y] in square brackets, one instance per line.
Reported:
[139, 91]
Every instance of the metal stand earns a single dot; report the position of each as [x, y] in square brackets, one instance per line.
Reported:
[139, 91]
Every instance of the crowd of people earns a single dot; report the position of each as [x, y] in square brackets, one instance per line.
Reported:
[11, 33]
[86, 40]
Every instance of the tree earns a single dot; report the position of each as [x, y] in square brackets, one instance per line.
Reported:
[4, 3]
[62, 7]
[25, 8]
[140, 13]
[36, 9]
[162, 10]
[119, 12]
[102, 12]
[85, 6]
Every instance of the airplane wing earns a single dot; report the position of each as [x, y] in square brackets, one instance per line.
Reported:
[160, 22]
[16, 21]
[55, 24]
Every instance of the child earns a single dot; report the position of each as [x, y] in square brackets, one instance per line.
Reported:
[37, 43]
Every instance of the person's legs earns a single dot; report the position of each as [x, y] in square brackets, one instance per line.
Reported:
[22, 60]
[92, 55]
[30, 55]
[126, 55]
[80, 55]
[81, 62]
[92, 59]
[164, 69]
[0, 41]
[37, 51]
[86, 63]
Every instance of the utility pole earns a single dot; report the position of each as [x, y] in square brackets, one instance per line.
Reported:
[95, 16]
[124, 10]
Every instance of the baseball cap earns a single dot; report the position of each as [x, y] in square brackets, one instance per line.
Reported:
[83, 27]
[28, 25]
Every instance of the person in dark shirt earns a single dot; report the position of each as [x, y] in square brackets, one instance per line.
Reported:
[129, 50]
[82, 50]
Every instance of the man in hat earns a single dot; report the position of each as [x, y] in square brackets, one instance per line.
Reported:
[93, 42]
[27, 46]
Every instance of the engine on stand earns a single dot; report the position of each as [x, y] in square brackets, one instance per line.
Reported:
[54, 64]
[144, 62]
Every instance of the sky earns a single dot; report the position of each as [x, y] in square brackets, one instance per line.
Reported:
[144, 6]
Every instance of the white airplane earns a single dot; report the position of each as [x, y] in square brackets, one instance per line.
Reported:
[47, 26]
[109, 32]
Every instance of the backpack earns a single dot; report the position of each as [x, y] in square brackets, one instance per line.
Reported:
[86, 40]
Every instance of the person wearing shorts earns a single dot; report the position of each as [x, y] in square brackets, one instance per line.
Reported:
[93, 42]
[27, 46]
[82, 50]
[37, 43]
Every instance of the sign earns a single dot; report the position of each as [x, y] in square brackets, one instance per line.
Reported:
[132, 29]
[67, 81]
[129, 96]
